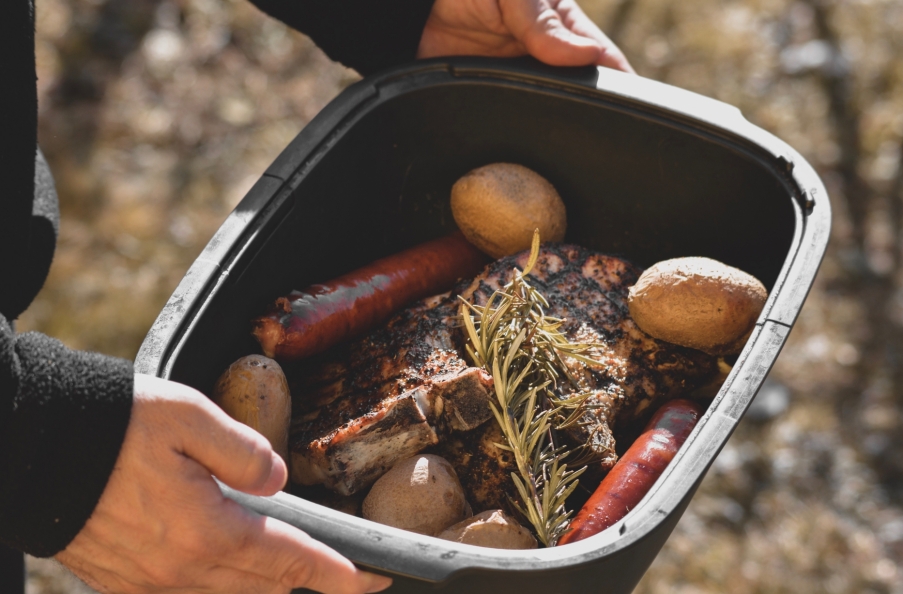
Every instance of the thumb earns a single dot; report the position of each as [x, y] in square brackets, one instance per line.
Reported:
[236, 454]
[545, 36]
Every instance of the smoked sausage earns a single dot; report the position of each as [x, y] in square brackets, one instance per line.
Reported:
[637, 470]
[310, 321]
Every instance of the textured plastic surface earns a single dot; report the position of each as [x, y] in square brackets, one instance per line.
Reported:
[647, 172]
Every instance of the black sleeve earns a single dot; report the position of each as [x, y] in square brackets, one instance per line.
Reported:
[63, 416]
[18, 139]
[367, 35]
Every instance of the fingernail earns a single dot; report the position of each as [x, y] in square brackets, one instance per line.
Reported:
[378, 583]
[278, 474]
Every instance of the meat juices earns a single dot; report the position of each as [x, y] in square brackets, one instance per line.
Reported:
[397, 391]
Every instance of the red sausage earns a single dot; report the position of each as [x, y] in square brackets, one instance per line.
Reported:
[310, 321]
[637, 470]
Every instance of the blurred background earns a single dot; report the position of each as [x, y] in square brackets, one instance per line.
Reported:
[158, 115]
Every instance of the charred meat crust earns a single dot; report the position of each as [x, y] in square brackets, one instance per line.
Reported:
[419, 355]
[398, 430]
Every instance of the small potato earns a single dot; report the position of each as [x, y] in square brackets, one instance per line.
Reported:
[254, 391]
[498, 207]
[698, 303]
[421, 494]
[493, 529]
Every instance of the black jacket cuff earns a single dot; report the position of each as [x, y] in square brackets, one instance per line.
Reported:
[367, 35]
[63, 421]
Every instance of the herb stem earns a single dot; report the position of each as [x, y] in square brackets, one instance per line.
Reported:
[512, 338]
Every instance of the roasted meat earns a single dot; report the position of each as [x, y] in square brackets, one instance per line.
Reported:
[589, 291]
[408, 385]
[385, 398]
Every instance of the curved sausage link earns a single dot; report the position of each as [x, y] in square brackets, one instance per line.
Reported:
[637, 470]
[310, 321]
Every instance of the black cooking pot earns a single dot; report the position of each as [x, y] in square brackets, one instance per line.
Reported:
[647, 172]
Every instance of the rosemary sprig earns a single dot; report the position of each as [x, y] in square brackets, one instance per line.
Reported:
[512, 338]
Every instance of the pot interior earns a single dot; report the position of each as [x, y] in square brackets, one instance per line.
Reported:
[636, 185]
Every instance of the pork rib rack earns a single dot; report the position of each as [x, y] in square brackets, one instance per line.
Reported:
[409, 385]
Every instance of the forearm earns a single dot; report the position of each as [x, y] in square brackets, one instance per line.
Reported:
[363, 34]
[63, 416]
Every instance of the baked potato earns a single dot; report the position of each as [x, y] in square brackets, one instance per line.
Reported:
[492, 528]
[498, 207]
[254, 391]
[421, 494]
[698, 303]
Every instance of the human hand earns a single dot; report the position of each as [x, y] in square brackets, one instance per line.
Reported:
[556, 32]
[162, 522]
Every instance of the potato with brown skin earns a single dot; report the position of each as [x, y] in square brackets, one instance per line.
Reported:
[254, 391]
[493, 528]
[421, 494]
[698, 303]
[498, 207]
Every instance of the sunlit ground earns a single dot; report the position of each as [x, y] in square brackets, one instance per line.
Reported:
[157, 116]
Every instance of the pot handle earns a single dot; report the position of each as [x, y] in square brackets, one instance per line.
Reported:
[373, 547]
[670, 99]
[524, 68]
[621, 85]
